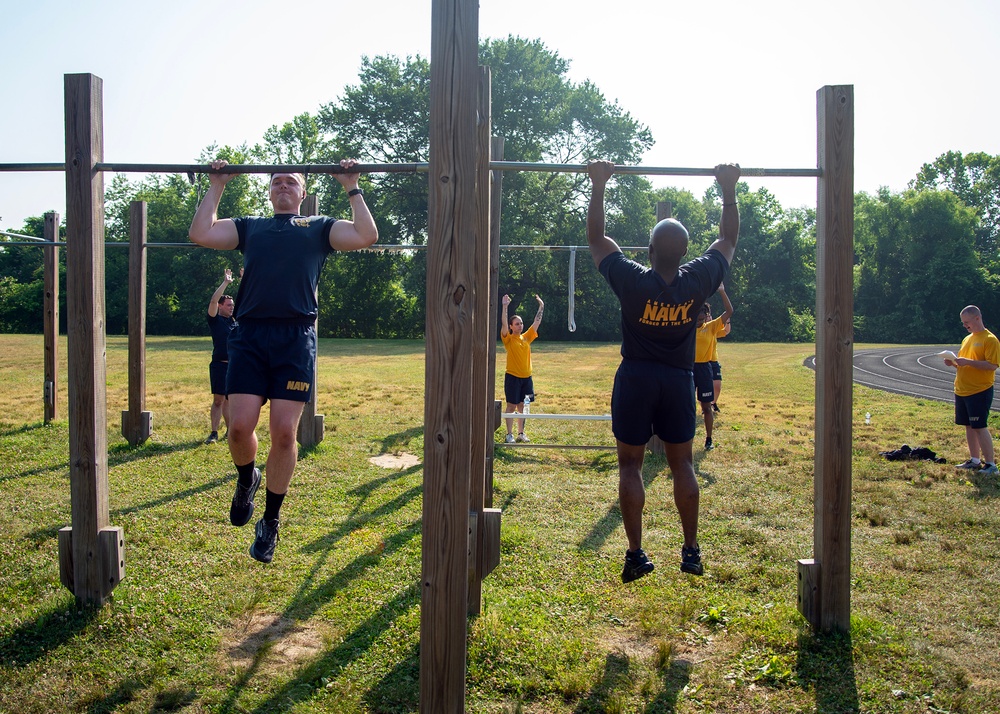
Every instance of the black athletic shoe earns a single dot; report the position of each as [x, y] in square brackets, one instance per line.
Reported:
[267, 537]
[637, 564]
[212, 438]
[715, 407]
[691, 561]
[241, 511]
[708, 444]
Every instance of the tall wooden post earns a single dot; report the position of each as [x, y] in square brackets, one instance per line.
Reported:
[484, 524]
[655, 444]
[825, 581]
[91, 556]
[50, 388]
[449, 341]
[311, 425]
[136, 421]
[496, 152]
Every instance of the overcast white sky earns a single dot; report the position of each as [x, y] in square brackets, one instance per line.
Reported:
[726, 80]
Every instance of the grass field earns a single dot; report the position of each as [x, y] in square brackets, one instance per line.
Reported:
[332, 625]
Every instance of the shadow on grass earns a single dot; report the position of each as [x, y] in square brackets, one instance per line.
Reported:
[987, 486]
[617, 677]
[609, 523]
[35, 639]
[399, 689]
[401, 438]
[40, 535]
[827, 663]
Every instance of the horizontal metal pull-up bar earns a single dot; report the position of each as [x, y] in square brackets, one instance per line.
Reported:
[415, 167]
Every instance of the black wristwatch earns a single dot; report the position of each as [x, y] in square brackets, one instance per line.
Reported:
[355, 192]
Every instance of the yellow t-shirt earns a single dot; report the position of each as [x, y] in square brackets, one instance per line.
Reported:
[519, 352]
[978, 346]
[706, 339]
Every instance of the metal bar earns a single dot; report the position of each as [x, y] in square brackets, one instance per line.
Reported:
[564, 417]
[52, 166]
[413, 167]
[529, 445]
[648, 170]
[261, 168]
[24, 237]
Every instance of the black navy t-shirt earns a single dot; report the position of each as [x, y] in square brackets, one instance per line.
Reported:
[220, 327]
[658, 320]
[282, 260]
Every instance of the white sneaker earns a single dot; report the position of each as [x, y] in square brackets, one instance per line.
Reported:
[509, 439]
[522, 437]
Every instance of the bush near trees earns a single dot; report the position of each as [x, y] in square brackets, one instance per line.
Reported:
[920, 254]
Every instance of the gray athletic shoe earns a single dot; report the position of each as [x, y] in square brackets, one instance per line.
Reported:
[969, 465]
[989, 469]
[241, 510]
[267, 537]
[509, 439]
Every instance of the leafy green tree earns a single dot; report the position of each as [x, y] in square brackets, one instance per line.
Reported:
[917, 266]
[974, 178]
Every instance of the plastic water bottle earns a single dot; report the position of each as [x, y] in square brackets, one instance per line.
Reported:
[527, 404]
[868, 417]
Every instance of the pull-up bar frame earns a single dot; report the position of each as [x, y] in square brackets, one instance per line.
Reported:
[414, 167]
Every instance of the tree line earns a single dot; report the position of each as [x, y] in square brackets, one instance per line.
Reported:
[920, 254]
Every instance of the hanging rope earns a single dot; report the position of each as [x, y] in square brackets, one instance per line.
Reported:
[572, 289]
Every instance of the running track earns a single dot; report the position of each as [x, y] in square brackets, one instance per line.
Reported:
[916, 371]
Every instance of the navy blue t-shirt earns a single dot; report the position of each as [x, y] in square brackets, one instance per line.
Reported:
[282, 260]
[658, 320]
[220, 327]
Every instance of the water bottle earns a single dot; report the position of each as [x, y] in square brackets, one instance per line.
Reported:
[527, 404]
[868, 417]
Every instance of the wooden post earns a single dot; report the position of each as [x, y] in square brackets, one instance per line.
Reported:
[50, 388]
[655, 444]
[311, 425]
[834, 359]
[136, 421]
[93, 551]
[449, 340]
[496, 151]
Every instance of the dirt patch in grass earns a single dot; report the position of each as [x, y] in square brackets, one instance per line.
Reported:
[272, 641]
[395, 461]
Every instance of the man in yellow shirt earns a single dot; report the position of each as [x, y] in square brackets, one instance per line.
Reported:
[517, 383]
[976, 365]
[706, 338]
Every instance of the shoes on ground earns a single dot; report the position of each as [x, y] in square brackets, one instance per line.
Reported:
[241, 509]
[715, 407]
[212, 438]
[522, 437]
[637, 564]
[266, 538]
[691, 561]
[708, 444]
[970, 465]
[989, 469]
[509, 439]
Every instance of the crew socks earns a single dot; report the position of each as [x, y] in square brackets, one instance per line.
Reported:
[244, 474]
[272, 505]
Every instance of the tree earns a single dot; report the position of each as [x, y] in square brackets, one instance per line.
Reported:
[974, 178]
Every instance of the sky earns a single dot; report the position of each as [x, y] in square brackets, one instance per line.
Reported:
[725, 80]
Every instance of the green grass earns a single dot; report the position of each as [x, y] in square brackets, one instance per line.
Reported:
[332, 625]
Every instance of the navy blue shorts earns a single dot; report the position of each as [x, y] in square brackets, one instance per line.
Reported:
[650, 398]
[703, 384]
[272, 359]
[217, 376]
[515, 389]
[974, 409]
[716, 371]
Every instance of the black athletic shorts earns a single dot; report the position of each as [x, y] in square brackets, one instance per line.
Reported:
[217, 376]
[974, 409]
[716, 371]
[272, 359]
[651, 398]
[515, 389]
[703, 384]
